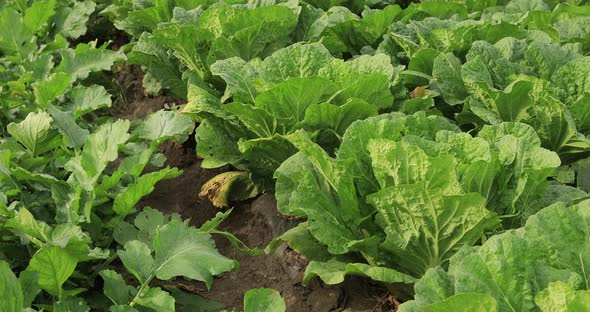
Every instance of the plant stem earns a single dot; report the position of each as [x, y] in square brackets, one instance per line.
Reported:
[141, 288]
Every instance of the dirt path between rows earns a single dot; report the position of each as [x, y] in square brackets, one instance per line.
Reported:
[255, 223]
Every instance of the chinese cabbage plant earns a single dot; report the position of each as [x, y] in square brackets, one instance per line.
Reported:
[542, 266]
[299, 87]
[405, 193]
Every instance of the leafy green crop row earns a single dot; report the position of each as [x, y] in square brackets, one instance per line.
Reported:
[69, 177]
[246, 66]
[198, 33]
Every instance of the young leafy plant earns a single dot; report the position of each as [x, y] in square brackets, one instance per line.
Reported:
[156, 246]
[60, 194]
[39, 69]
[63, 216]
[263, 299]
[161, 247]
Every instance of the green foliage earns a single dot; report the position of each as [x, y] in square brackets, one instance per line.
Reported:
[299, 87]
[263, 299]
[54, 265]
[241, 43]
[12, 295]
[408, 192]
[472, 68]
[541, 266]
[69, 176]
[175, 246]
[513, 71]
[404, 138]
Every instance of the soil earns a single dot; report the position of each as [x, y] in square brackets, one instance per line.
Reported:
[135, 102]
[255, 223]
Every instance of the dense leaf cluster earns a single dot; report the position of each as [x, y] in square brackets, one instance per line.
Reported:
[443, 144]
[69, 177]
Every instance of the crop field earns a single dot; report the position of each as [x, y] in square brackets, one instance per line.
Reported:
[295, 155]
